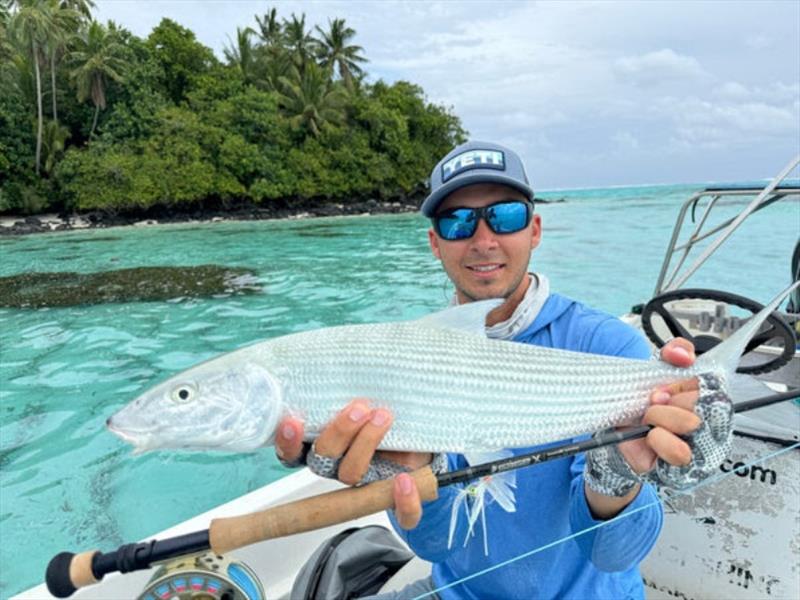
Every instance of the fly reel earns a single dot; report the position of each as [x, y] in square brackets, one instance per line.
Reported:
[206, 576]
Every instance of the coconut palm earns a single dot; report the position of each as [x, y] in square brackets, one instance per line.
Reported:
[300, 43]
[335, 51]
[269, 28]
[96, 59]
[53, 141]
[311, 100]
[63, 24]
[29, 26]
[274, 63]
[242, 53]
[82, 7]
[6, 48]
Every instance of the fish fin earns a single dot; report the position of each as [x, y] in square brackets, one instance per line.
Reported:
[726, 355]
[476, 496]
[470, 317]
[746, 387]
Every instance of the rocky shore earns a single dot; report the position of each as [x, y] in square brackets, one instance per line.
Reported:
[21, 225]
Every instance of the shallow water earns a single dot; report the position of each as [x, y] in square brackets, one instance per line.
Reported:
[67, 484]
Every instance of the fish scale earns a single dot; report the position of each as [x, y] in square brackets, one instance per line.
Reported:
[453, 391]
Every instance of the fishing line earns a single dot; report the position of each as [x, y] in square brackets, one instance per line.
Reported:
[707, 481]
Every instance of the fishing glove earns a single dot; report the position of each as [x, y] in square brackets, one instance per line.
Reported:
[379, 468]
[608, 473]
[710, 443]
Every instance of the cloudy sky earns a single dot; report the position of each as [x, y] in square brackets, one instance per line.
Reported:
[590, 93]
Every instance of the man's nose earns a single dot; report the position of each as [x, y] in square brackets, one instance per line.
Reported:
[484, 237]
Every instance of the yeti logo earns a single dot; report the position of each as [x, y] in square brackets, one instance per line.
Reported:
[473, 159]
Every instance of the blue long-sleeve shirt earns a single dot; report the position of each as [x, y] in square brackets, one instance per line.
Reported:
[550, 503]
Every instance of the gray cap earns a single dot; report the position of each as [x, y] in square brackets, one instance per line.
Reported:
[475, 162]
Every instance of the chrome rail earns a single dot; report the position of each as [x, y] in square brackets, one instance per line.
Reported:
[765, 197]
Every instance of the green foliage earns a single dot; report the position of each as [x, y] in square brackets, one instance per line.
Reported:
[181, 58]
[53, 141]
[287, 118]
[17, 137]
[336, 51]
[311, 99]
[96, 60]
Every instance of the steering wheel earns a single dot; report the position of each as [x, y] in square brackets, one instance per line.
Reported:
[776, 326]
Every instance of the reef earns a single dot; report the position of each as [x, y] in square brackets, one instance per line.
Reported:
[139, 284]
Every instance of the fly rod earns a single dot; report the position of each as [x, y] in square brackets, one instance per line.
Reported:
[67, 572]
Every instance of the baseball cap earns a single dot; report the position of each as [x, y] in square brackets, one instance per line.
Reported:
[475, 162]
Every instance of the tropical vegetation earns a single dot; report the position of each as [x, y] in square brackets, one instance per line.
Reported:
[94, 118]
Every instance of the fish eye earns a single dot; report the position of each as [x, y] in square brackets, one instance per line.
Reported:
[184, 393]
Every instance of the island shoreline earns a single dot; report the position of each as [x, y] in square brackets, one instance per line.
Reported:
[16, 225]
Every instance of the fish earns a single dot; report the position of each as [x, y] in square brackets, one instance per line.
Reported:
[449, 387]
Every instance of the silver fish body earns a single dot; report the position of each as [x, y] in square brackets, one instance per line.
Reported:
[449, 387]
[453, 391]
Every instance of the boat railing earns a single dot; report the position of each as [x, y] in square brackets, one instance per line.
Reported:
[674, 273]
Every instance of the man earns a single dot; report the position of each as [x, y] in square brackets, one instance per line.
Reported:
[484, 231]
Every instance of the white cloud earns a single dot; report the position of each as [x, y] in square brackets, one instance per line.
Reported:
[661, 67]
[703, 123]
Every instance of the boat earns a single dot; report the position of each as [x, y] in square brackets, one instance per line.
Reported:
[736, 538]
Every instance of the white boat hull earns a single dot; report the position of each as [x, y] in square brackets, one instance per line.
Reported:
[738, 538]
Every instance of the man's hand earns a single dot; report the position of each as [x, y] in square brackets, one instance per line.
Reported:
[353, 435]
[671, 413]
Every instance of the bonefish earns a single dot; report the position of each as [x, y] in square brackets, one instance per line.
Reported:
[449, 387]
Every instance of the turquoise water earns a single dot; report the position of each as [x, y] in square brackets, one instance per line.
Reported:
[67, 484]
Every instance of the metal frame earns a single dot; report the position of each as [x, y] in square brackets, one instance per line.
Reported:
[677, 277]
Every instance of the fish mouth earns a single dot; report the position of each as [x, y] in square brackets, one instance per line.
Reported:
[137, 439]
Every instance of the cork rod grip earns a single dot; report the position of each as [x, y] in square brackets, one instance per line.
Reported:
[313, 513]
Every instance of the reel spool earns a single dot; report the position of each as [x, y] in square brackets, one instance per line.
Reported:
[207, 576]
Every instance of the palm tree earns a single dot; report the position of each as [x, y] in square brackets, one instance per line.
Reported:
[82, 7]
[272, 59]
[269, 29]
[30, 26]
[63, 24]
[273, 63]
[300, 43]
[335, 51]
[6, 49]
[311, 99]
[97, 58]
[55, 137]
[242, 54]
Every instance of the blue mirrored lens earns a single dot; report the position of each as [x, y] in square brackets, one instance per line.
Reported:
[507, 217]
[458, 224]
[502, 217]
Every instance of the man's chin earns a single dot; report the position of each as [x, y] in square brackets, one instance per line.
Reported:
[484, 293]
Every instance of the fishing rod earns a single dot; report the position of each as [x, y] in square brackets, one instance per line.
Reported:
[67, 572]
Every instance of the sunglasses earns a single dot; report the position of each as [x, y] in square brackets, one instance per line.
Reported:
[506, 216]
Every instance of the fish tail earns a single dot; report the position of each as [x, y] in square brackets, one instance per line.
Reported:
[473, 497]
[726, 355]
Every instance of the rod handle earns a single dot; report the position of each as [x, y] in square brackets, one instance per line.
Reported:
[67, 572]
[327, 509]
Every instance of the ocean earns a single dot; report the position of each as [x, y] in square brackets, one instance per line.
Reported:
[68, 484]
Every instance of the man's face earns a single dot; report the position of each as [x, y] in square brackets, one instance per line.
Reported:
[487, 265]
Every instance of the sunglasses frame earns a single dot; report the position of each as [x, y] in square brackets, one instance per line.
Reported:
[481, 213]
